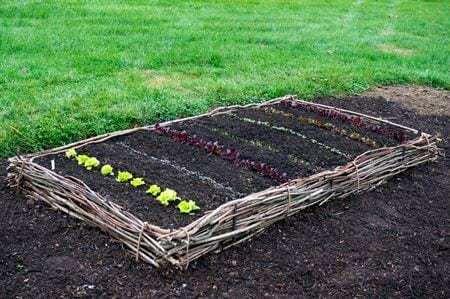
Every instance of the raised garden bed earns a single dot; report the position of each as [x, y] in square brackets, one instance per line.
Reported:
[246, 167]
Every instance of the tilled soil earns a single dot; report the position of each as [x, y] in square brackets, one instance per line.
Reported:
[261, 135]
[394, 241]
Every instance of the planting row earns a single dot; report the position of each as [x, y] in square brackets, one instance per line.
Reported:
[232, 155]
[288, 128]
[356, 121]
[308, 139]
[327, 126]
[290, 162]
[255, 143]
[163, 197]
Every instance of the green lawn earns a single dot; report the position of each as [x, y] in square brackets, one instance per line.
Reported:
[73, 69]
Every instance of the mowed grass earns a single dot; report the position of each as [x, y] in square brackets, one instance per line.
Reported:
[74, 69]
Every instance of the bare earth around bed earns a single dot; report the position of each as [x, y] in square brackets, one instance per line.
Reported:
[396, 219]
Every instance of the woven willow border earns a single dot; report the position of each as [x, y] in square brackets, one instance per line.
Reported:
[232, 222]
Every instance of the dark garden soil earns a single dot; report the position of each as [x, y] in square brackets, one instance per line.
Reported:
[381, 139]
[394, 241]
[145, 161]
[258, 134]
[270, 115]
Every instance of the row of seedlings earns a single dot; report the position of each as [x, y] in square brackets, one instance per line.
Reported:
[164, 197]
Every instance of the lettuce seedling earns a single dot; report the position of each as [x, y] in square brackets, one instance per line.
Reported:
[124, 176]
[91, 163]
[166, 196]
[71, 153]
[136, 182]
[187, 207]
[82, 159]
[154, 190]
[106, 170]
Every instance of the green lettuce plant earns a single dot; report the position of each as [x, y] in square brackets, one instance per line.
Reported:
[153, 190]
[124, 176]
[82, 159]
[187, 207]
[91, 163]
[106, 170]
[167, 196]
[136, 182]
[71, 153]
